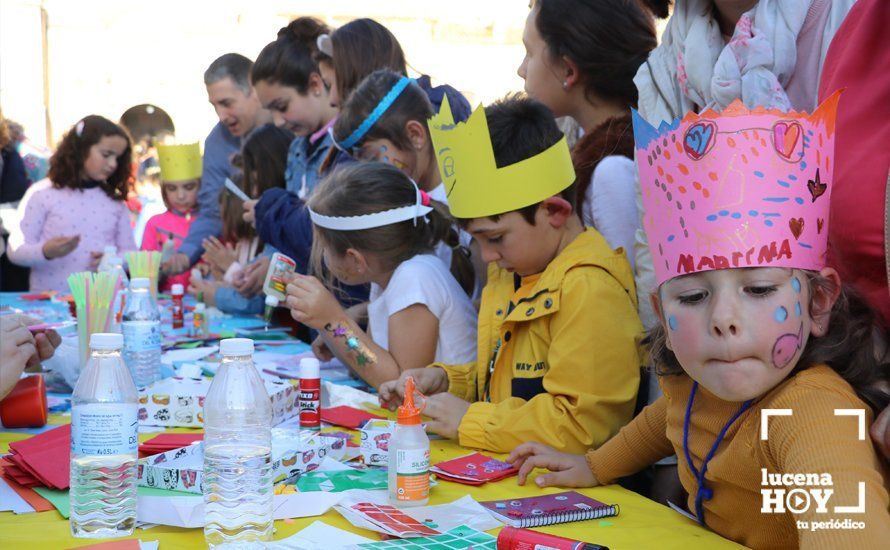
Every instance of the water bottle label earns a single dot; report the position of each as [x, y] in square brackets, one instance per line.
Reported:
[412, 474]
[141, 336]
[104, 429]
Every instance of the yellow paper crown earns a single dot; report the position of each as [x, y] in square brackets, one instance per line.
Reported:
[179, 162]
[475, 186]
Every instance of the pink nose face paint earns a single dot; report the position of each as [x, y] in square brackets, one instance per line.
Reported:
[786, 347]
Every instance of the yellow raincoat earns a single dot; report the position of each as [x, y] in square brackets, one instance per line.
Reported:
[565, 366]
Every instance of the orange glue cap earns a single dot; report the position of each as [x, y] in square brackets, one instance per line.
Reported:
[408, 414]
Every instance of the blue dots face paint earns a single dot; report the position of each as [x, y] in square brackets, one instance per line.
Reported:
[797, 309]
[795, 284]
[780, 314]
[672, 322]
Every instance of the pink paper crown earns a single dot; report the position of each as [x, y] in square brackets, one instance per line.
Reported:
[741, 188]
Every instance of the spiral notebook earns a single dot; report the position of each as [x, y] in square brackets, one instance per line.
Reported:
[541, 510]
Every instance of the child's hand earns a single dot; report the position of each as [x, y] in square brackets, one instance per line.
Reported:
[95, 258]
[206, 288]
[880, 433]
[177, 264]
[321, 350]
[220, 255]
[445, 412]
[254, 275]
[311, 303]
[60, 246]
[428, 381]
[567, 470]
[250, 211]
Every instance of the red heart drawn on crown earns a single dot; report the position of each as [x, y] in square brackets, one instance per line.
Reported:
[796, 225]
[785, 138]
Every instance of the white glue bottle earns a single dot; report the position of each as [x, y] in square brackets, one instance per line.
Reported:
[409, 455]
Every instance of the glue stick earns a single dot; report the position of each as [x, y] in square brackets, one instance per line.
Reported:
[177, 291]
[310, 394]
[409, 455]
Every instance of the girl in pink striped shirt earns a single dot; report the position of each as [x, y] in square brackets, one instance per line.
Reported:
[69, 217]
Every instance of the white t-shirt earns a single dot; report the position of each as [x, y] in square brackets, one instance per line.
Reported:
[610, 203]
[425, 280]
[444, 252]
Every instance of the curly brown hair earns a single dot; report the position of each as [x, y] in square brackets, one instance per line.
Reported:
[66, 164]
[851, 347]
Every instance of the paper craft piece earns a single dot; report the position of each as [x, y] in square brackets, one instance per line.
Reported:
[344, 480]
[550, 509]
[375, 441]
[318, 536]
[474, 469]
[293, 453]
[235, 190]
[371, 510]
[37, 296]
[37, 502]
[127, 544]
[475, 186]
[459, 537]
[348, 417]
[180, 162]
[180, 402]
[168, 442]
[740, 188]
[169, 357]
[43, 458]
[10, 501]
[189, 511]
[58, 498]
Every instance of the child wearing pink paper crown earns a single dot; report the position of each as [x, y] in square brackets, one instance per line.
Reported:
[760, 345]
[180, 181]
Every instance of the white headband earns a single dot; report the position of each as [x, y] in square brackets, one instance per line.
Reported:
[419, 209]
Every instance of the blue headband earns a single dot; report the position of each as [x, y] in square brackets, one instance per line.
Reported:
[375, 115]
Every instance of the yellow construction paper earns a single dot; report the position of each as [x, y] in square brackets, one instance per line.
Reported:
[179, 162]
[475, 186]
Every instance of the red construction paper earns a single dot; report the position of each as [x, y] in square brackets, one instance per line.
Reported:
[36, 501]
[47, 456]
[167, 442]
[474, 469]
[348, 417]
[128, 544]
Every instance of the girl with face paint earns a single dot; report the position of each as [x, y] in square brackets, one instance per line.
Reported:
[763, 354]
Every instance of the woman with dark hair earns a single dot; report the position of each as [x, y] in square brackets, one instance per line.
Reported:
[580, 61]
[68, 218]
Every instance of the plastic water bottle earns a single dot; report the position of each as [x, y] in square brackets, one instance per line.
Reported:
[237, 451]
[104, 430]
[142, 334]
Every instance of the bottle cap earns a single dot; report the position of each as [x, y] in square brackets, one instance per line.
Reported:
[200, 306]
[408, 414]
[140, 282]
[310, 368]
[177, 289]
[236, 346]
[272, 301]
[106, 340]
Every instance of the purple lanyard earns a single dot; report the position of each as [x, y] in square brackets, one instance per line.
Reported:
[703, 492]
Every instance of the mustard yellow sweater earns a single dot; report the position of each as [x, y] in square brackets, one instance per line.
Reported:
[812, 440]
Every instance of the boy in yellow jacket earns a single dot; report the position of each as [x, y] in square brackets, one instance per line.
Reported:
[557, 342]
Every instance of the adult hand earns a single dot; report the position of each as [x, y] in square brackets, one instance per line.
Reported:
[321, 350]
[254, 276]
[220, 255]
[445, 412]
[20, 349]
[311, 303]
[428, 381]
[60, 246]
[567, 470]
[249, 214]
[880, 433]
[176, 264]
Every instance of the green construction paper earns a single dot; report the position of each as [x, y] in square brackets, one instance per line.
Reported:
[59, 499]
[338, 481]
